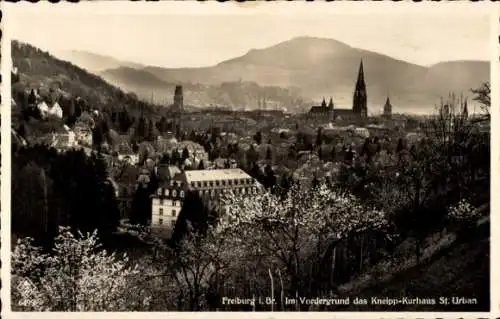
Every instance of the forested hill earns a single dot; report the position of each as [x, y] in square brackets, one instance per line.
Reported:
[40, 70]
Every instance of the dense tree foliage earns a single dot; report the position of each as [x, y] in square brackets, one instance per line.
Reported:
[51, 189]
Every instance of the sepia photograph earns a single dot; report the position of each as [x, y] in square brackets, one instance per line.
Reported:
[264, 158]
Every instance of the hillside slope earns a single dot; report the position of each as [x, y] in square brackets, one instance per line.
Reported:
[93, 62]
[459, 268]
[40, 70]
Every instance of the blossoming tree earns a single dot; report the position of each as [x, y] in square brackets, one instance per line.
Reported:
[300, 232]
[77, 276]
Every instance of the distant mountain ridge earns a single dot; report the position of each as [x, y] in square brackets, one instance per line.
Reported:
[135, 77]
[94, 62]
[310, 67]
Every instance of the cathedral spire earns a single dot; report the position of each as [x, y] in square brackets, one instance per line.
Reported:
[323, 104]
[359, 100]
[387, 107]
[360, 83]
[330, 104]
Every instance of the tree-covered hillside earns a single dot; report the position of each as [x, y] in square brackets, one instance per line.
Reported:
[40, 70]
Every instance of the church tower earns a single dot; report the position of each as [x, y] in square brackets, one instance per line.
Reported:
[330, 104]
[331, 112]
[178, 98]
[178, 106]
[388, 108]
[359, 99]
[323, 104]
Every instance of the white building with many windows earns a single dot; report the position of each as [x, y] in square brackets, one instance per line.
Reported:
[166, 205]
[209, 184]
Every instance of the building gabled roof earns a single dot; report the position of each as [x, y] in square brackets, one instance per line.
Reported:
[319, 109]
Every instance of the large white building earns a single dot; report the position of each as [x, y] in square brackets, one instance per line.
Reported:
[210, 184]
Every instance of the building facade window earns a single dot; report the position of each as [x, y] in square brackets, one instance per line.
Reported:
[167, 192]
[161, 201]
[172, 223]
[161, 212]
[174, 193]
[160, 221]
[182, 194]
[173, 212]
[174, 203]
[159, 191]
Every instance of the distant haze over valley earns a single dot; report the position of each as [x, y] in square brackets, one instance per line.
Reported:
[293, 74]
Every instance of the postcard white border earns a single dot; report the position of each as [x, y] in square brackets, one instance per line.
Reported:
[275, 8]
[495, 163]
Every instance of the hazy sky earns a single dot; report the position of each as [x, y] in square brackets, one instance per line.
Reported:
[201, 34]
